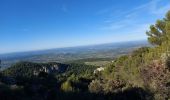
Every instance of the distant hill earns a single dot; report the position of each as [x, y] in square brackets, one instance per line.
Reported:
[109, 50]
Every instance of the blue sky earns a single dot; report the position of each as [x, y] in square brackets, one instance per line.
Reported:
[42, 24]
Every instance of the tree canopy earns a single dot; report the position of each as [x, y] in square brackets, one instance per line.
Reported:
[158, 32]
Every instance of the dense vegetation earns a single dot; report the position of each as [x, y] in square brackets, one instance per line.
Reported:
[146, 67]
[142, 75]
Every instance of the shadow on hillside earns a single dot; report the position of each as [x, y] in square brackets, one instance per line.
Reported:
[130, 94]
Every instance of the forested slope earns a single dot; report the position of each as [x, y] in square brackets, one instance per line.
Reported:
[147, 67]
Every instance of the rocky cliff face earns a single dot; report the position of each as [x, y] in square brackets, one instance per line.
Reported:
[60, 68]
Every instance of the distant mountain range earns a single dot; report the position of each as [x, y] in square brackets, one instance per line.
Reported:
[110, 50]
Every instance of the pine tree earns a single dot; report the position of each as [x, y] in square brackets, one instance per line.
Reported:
[158, 32]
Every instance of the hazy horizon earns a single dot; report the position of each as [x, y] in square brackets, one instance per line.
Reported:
[29, 25]
[143, 40]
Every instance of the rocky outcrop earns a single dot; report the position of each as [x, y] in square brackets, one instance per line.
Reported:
[60, 68]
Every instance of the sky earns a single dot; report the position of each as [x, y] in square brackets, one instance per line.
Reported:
[43, 24]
